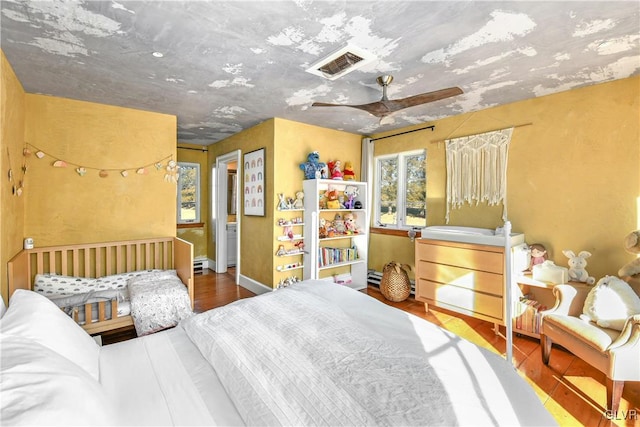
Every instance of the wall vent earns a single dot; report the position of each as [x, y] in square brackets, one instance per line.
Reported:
[341, 62]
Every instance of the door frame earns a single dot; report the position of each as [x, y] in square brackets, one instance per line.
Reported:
[219, 211]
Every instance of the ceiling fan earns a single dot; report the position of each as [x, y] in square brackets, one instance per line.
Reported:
[386, 106]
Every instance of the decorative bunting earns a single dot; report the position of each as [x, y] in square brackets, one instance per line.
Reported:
[16, 190]
[171, 167]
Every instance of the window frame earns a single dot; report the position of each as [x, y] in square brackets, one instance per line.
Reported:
[182, 165]
[401, 201]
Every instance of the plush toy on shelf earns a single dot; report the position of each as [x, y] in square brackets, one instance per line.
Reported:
[348, 174]
[350, 223]
[334, 169]
[332, 199]
[350, 191]
[322, 228]
[577, 264]
[299, 201]
[313, 166]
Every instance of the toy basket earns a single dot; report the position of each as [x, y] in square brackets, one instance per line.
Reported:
[395, 285]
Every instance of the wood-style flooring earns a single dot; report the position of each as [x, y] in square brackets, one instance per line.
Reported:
[572, 390]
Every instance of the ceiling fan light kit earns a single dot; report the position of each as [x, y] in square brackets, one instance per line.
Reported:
[387, 106]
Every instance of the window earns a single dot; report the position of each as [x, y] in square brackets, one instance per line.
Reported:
[401, 190]
[188, 193]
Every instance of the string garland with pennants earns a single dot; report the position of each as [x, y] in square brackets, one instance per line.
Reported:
[167, 164]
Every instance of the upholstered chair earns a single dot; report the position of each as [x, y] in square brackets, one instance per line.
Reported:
[615, 353]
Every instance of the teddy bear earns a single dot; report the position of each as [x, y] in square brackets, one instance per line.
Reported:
[631, 245]
[350, 223]
[348, 174]
[577, 264]
[332, 199]
[313, 166]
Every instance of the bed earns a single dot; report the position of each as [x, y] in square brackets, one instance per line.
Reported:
[314, 353]
[98, 264]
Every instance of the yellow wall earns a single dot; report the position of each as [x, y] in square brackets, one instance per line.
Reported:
[12, 142]
[255, 230]
[573, 175]
[197, 235]
[64, 207]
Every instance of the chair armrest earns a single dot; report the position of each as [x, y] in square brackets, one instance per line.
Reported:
[569, 300]
[625, 352]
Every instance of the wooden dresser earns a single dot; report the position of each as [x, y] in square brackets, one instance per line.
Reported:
[462, 277]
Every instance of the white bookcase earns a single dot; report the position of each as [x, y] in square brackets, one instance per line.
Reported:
[341, 252]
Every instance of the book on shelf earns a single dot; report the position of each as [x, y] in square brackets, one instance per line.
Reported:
[329, 256]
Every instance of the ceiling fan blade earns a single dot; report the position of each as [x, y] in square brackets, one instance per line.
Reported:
[385, 107]
[423, 98]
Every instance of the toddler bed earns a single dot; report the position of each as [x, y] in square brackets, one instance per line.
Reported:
[90, 282]
[314, 353]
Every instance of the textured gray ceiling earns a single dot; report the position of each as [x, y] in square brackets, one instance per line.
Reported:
[229, 65]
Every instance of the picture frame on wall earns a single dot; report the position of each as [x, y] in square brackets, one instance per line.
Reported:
[254, 182]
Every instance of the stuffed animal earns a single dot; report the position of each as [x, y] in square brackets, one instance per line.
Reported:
[322, 229]
[577, 264]
[298, 203]
[339, 224]
[350, 191]
[334, 169]
[610, 303]
[348, 174]
[631, 245]
[350, 223]
[313, 166]
[332, 199]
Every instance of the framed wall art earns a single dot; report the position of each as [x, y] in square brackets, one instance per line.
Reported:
[254, 182]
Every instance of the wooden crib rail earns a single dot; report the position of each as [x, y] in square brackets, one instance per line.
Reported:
[103, 259]
[102, 323]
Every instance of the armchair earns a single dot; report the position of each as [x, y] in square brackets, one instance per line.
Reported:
[615, 353]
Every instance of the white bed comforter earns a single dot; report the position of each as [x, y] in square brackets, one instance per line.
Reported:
[295, 357]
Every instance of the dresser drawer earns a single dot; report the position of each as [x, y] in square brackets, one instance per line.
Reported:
[475, 259]
[460, 299]
[481, 281]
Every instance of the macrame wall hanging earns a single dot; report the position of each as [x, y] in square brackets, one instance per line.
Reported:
[477, 170]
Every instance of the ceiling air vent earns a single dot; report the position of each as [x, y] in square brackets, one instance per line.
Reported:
[341, 62]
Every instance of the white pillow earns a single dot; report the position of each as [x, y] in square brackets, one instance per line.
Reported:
[33, 316]
[3, 307]
[40, 387]
[611, 302]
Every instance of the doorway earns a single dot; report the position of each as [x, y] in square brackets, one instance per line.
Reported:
[225, 189]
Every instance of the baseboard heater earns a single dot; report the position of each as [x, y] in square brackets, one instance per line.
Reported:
[198, 265]
[374, 278]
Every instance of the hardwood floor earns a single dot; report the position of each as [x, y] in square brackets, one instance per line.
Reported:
[572, 391]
